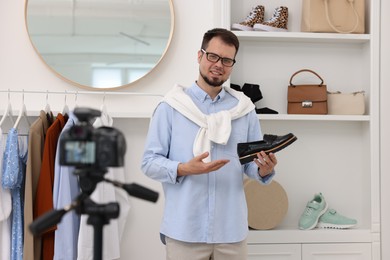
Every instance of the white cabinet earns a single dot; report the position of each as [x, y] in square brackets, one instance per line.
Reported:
[358, 251]
[341, 251]
[274, 252]
[335, 155]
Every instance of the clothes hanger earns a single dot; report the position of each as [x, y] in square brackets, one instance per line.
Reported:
[22, 114]
[47, 107]
[103, 107]
[7, 112]
[65, 109]
[104, 115]
[75, 99]
[48, 112]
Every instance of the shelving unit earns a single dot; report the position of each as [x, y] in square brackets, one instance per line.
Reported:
[335, 154]
[314, 117]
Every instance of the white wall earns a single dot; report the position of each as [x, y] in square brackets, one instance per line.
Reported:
[385, 129]
[21, 68]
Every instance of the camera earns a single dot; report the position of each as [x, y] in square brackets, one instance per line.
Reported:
[85, 146]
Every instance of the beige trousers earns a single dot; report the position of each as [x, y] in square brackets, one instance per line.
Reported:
[178, 250]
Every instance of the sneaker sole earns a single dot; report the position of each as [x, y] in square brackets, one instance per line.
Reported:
[334, 226]
[273, 150]
[267, 28]
[241, 27]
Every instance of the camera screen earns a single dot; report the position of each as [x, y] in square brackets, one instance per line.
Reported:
[80, 152]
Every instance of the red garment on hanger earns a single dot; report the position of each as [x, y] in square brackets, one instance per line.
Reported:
[44, 197]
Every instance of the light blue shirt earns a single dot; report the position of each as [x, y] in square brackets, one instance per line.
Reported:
[65, 190]
[208, 208]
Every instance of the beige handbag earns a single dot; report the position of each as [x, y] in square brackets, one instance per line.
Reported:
[341, 16]
[346, 103]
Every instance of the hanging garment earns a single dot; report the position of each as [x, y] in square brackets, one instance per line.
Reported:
[5, 210]
[104, 193]
[14, 166]
[65, 190]
[36, 139]
[44, 197]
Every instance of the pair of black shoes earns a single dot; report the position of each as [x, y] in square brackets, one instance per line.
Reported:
[254, 93]
[270, 144]
[250, 90]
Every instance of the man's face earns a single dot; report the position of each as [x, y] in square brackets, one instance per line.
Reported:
[215, 73]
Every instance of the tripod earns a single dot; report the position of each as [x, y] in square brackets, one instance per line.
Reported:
[98, 214]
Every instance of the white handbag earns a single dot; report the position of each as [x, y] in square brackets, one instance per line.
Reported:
[346, 103]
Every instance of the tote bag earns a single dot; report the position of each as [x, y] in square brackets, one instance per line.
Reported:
[333, 16]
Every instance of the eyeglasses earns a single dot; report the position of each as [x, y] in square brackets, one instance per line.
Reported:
[212, 57]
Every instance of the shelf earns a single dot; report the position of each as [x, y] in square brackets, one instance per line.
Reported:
[314, 117]
[303, 37]
[310, 236]
[347, 61]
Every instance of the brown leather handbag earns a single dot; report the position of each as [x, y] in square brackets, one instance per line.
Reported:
[308, 98]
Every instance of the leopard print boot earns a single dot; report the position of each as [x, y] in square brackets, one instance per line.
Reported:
[254, 17]
[278, 22]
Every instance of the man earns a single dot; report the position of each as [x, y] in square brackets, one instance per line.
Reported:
[191, 149]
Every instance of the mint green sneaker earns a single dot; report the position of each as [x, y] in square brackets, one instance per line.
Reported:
[313, 211]
[331, 219]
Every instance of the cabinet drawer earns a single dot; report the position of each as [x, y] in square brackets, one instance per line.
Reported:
[274, 252]
[358, 251]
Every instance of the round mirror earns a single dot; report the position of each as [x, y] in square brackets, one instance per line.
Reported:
[100, 43]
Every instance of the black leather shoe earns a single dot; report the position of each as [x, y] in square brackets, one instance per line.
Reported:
[252, 91]
[270, 144]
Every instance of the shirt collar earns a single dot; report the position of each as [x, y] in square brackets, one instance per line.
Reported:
[202, 96]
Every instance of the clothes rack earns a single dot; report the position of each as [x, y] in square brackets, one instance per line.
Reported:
[76, 92]
[134, 113]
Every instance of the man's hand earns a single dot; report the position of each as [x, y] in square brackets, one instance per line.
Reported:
[266, 163]
[197, 166]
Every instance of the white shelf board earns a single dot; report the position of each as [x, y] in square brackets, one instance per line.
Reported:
[303, 37]
[314, 117]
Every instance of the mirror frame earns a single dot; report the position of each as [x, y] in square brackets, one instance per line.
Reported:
[172, 28]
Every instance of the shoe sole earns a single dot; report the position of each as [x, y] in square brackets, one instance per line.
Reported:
[334, 226]
[267, 28]
[273, 150]
[241, 27]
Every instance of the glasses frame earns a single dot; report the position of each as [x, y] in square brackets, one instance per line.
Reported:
[223, 59]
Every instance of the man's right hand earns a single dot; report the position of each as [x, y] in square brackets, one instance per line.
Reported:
[197, 166]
